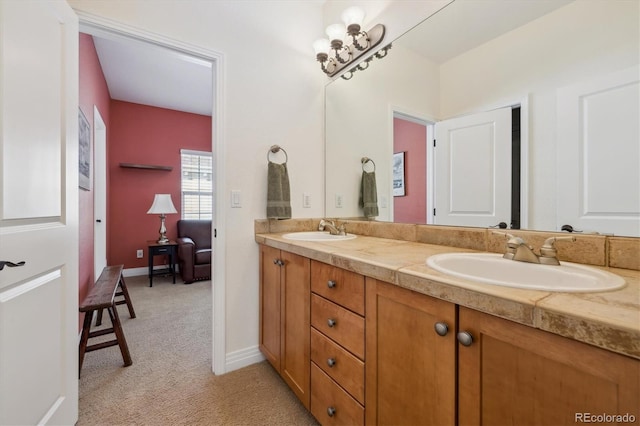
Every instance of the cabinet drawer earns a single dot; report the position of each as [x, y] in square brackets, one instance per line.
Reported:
[339, 364]
[339, 324]
[327, 396]
[343, 287]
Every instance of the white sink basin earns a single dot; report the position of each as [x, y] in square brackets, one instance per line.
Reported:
[317, 236]
[490, 268]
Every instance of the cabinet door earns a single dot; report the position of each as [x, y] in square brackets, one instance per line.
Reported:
[295, 326]
[270, 305]
[512, 374]
[410, 369]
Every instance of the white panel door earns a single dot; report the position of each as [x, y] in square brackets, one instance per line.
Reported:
[599, 154]
[473, 169]
[99, 193]
[38, 212]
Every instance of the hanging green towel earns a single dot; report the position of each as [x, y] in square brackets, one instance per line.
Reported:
[278, 192]
[369, 194]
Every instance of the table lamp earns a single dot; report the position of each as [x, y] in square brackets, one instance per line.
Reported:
[162, 205]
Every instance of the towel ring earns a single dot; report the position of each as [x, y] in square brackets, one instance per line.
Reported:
[366, 160]
[274, 149]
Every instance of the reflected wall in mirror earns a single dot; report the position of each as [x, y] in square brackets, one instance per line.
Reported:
[572, 66]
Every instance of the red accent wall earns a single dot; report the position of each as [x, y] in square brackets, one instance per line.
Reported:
[93, 91]
[412, 138]
[154, 136]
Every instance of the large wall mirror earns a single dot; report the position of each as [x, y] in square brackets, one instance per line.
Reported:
[558, 80]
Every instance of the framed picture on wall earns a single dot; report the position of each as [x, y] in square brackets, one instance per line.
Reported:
[84, 152]
[398, 174]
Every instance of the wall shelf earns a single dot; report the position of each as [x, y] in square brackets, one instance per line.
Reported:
[146, 166]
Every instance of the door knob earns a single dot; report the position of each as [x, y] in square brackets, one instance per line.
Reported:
[9, 264]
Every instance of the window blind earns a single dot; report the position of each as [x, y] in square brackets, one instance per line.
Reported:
[197, 184]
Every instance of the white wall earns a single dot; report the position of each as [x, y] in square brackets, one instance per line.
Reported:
[273, 95]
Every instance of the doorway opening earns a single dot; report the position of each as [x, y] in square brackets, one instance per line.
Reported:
[96, 28]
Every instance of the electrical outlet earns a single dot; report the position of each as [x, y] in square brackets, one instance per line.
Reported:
[306, 200]
[139, 253]
[339, 201]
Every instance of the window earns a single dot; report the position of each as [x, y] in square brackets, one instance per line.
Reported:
[197, 184]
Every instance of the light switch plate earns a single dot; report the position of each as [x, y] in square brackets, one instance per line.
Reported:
[236, 200]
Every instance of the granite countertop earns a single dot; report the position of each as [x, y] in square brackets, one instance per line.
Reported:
[610, 319]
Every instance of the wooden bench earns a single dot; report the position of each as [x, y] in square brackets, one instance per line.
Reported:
[103, 296]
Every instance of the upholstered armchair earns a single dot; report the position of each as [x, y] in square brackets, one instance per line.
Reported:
[194, 250]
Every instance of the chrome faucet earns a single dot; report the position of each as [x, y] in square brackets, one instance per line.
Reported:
[519, 250]
[331, 227]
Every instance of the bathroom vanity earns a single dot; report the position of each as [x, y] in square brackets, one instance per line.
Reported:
[364, 331]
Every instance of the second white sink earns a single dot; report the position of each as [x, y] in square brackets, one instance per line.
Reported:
[490, 268]
[317, 236]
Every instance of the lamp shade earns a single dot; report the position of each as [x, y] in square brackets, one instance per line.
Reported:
[353, 15]
[336, 32]
[162, 204]
[322, 46]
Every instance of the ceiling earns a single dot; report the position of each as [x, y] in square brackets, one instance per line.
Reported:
[478, 22]
[149, 74]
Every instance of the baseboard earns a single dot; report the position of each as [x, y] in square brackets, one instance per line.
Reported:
[243, 358]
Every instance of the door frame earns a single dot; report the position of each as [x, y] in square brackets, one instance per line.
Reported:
[96, 25]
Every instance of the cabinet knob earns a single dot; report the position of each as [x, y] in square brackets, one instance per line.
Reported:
[331, 322]
[278, 262]
[465, 338]
[331, 411]
[441, 328]
[331, 362]
[331, 284]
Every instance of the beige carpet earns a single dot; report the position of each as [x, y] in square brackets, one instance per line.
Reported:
[170, 381]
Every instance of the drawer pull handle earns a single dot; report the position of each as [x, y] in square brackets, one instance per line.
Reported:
[331, 284]
[441, 328]
[465, 338]
[331, 411]
[331, 362]
[331, 322]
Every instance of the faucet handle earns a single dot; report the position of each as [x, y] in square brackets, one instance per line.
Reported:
[548, 248]
[513, 241]
[342, 228]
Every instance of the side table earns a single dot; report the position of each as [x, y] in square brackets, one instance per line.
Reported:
[168, 249]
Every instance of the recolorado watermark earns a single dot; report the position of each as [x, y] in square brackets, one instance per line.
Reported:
[604, 418]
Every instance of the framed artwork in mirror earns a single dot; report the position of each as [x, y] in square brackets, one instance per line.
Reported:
[398, 175]
[84, 152]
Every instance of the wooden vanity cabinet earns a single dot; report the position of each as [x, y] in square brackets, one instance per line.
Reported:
[506, 374]
[285, 317]
[512, 374]
[410, 369]
[337, 345]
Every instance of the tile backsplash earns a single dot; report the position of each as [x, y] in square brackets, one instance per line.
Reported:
[598, 250]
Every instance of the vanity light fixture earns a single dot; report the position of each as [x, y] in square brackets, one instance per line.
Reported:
[334, 54]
